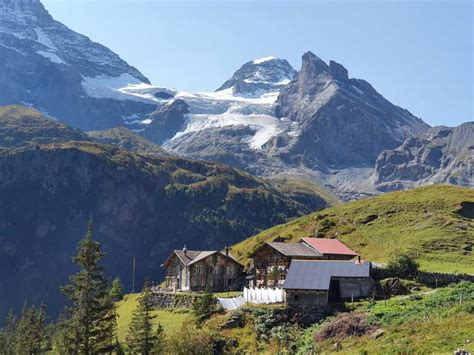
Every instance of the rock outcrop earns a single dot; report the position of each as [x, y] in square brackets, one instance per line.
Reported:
[441, 155]
[260, 75]
[341, 122]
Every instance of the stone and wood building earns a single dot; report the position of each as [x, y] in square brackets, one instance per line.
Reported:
[271, 261]
[311, 283]
[193, 270]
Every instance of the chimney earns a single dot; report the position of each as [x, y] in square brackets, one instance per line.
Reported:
[358, 259]
[185, 250]
[227, 251]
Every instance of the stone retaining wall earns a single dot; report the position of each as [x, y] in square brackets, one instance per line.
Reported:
[432, 279]
[162, 300]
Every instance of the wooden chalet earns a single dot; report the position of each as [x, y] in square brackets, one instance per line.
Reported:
[193, 270]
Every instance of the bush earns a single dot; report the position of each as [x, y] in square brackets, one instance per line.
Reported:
[204, 307]
[403, 265]
[191, 341]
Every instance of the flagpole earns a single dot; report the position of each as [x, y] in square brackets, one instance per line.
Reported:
[133, 276]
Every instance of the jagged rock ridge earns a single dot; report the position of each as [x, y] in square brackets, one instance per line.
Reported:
[441, 155]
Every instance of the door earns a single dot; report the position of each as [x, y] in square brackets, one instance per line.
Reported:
[334, 290]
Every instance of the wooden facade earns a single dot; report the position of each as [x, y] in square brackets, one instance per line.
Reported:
[201, 270]
[270, 264]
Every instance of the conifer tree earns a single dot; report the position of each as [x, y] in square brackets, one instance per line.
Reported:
[143, 338]
[91, 327]
[204, 307]
[7, 334]
[116, 291]
[30, 334]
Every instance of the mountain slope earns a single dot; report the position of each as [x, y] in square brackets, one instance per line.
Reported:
[126, 139]
[321, 127]
[317, 124]
[260, 75]
[142, 204]
[441, 155]
[21, 126]
[45, 64]
[341, 122]
[435, 223]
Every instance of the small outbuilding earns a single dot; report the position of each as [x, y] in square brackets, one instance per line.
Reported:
[312, 283]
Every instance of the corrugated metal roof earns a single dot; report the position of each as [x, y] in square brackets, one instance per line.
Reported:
[295, 249]
[316, 274]
[329, 246]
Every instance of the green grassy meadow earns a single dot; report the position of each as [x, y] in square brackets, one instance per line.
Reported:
[427, 222]
[170, 320]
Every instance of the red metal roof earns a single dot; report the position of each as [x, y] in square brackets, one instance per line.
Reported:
[329, 246]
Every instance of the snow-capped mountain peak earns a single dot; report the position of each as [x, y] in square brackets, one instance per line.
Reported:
[28, 27]
[260, 76]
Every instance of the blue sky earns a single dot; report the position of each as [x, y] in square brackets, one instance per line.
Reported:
[419, 55]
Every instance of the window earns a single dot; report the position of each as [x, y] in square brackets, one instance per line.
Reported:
[297, 298]
[214, 259]
[229, 270]
[198, 269]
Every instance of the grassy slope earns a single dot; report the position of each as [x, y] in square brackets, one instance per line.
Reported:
[22, 126]
[430, 323]
[302, 190]
[423, 221]
[168, 319]
[433, 336]
[126, 139]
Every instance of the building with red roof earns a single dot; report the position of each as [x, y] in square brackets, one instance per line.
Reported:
[331, 249]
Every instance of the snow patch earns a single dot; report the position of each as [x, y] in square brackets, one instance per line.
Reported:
[357, 89]
[263, 60]
[105, 87]
[52, 57]
[43, 38]
[265, 126]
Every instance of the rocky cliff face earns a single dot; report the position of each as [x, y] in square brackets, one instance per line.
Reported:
[60, 72]
[341, 122]
[441, 155]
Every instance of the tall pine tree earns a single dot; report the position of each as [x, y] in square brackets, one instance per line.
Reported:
[143, 338]
[7, 334]
[91, 325]
[116, 291]
[30, 335]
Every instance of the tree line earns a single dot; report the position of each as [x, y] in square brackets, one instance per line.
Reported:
[88, 324]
